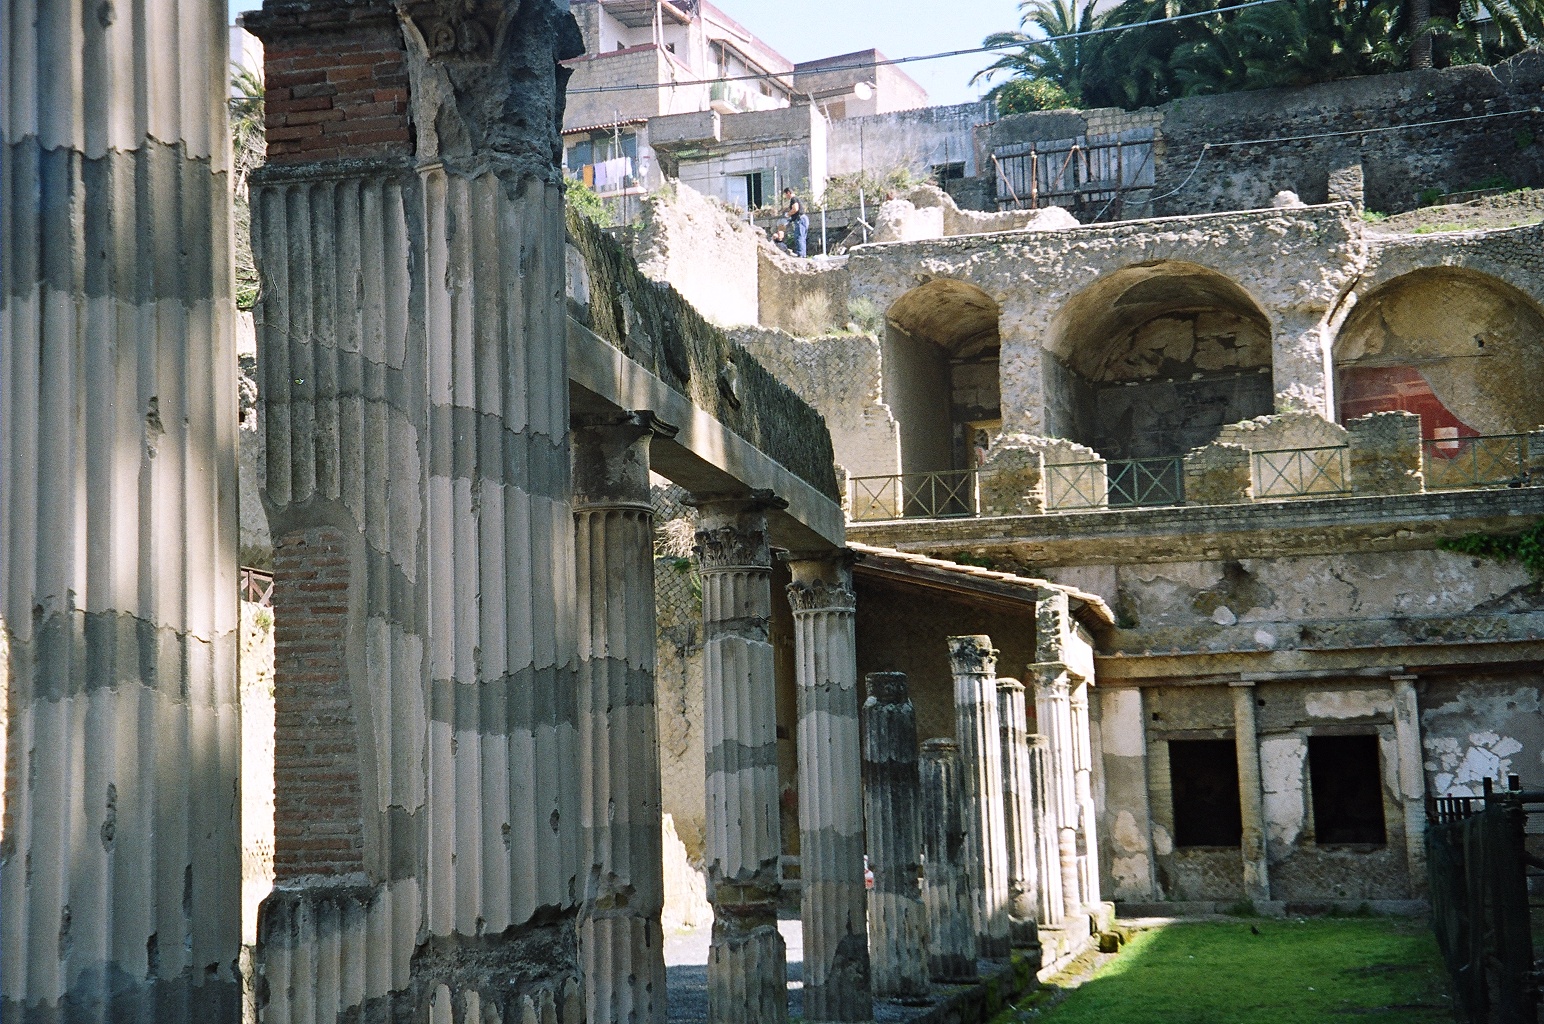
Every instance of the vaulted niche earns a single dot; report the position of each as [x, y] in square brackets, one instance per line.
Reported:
[1152, 360]
[1462, 349]
[940, 374]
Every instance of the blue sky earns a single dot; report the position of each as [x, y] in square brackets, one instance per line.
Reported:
[807, 29]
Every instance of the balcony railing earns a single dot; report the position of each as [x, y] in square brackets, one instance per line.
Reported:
[1496, 460]
[916, 495]
[257, 586]
[1302, 472]
[1116, 483]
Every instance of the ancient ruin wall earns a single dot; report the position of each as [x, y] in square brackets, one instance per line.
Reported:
[702, 250]
[655, 326]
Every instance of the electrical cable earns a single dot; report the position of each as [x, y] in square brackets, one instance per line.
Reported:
[891, 61]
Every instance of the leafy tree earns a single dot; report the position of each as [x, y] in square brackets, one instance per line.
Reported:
[248, 150]
[587, 203]
[1024, 95]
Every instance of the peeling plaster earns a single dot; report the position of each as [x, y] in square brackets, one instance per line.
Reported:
[1284, 782]
[1349, 703]
[1471, 738]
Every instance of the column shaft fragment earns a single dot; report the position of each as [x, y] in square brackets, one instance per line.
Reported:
[1257, 886]
[1018, 813]
[898, 936]
[951, 951]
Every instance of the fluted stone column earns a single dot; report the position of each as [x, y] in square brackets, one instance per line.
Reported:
[898, 932]
[974, 664]
[621, 947]
[1047, 832]
[946, 890]
[1257, 886]
[833, 900]
[1083, 782]
[1053, 705]
[747, 960]
[1018, 815]
[120, 870]
[1412, 778]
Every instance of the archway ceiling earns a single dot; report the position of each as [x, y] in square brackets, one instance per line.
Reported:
[958, 317]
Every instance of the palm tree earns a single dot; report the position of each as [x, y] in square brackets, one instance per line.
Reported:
[248, 149]
[1039, 51]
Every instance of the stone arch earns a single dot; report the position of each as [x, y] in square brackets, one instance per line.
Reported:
[1153, 359]
[941, 355]
[1461, 348]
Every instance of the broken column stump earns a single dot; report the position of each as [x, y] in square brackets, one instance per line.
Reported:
[974, 664]
[951, 951]
[1018, 815]
[833, 900]
[898, 932]
[621, 946]
[747, 959]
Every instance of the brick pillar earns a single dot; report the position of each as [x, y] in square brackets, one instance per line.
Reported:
[1018, 815]
[318, 819]
[747, 961]
[120, 866]
[621, 946]
[898, 935]
[974, 664]
[833, 900]
[946, 889]
[409, 231]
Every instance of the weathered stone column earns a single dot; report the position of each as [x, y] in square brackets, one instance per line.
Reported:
[1257, 886]
[1018, 815]
[946, 890]
[120, 871]
[833, 900]
[409, 232]
[898, 934]
[1412, 778]
[1083, 776]
[974, 663]
[1053, 706]
[747, 963]
[1047, 832]
[621, 947]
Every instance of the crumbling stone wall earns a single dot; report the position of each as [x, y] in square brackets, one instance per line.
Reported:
[703, 251]
[654, 325]
[803, 297]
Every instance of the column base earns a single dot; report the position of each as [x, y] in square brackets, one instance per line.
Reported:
[747, 974]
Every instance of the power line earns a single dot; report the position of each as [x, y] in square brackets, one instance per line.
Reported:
[891, 61]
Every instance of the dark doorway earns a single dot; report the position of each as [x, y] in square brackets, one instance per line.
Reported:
[1347, 790]
[1204, 778]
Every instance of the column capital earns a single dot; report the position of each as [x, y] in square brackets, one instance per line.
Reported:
[732, 530]
[1053, 675]
[822, 580]
[1009, 684]
[972, 655]
[821, 596]
[887, 687]
[610, 459]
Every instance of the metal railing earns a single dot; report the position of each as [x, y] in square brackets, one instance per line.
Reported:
[257, 586]
[916, 495]
[1486, 879]
[1494, 460]
[1117, 483]
[1302, 472]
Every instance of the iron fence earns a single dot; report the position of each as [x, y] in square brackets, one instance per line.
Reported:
[257, 586]
[1301, 472]
[1485, 865]
[915, 495]
[1495, 460]
[1115, 483]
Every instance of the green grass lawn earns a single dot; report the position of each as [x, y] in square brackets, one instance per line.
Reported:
[1293, 972]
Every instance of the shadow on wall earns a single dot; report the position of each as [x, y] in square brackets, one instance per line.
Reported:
[1461, 349]
[1154, 359]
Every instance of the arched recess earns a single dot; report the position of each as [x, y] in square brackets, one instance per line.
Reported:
[1461, 348]
[1154, 359]
[941, 373]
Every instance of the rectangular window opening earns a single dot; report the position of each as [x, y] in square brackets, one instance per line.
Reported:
[1347, 786]
[1203, 775]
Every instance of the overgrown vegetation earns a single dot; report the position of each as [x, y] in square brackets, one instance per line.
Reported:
[587, 203]
[1260, 972]
[248, 149]
[843, 190]
[1290, 43]
[1526, 548]
[866, 315]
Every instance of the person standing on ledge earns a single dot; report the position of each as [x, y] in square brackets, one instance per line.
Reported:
[798, 222]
